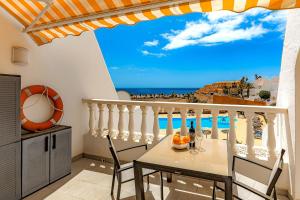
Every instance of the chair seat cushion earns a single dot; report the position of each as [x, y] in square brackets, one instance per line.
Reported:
[243, 193]
[129, 173]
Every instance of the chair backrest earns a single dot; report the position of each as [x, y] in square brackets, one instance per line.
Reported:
[113, 152]
[276, 171]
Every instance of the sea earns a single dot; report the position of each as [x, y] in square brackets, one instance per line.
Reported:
[165, 91]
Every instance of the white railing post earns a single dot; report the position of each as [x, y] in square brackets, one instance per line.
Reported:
[121, 122]
[156, 123]
[111, 119]
[170, 111]
[250, 135]
[271, 142]
[144, 124]
[232, 134]
[183, 129]
[92, 130]
[131, 135]
[198, 113]
[101, 119]
[214, 129]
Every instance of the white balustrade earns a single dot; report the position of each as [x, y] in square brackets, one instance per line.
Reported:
[170, 107]
[156, 123]
[250, 133]
[101, 119]
[111, 119]
[232, 134]
[214, 129]
[183, 129]
[271, 144]
[144, 124]
[121, 121]
[198, 113]
[131, 135]
[92, 119]
[170, 111]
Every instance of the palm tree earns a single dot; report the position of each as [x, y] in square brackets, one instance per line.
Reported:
[245, 85]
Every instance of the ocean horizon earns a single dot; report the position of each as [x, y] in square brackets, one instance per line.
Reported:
[165, 91]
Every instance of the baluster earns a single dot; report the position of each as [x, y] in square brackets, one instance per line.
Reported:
[183, 129]
[198, 113]
[121, 121]
[92, 119]
[144, 124]
[156, 123]
[111, 119]
[101, 119]
[250, 135]
[271, 142]
[232, 134]
[170, 111]
[214, 129]
[131, 135]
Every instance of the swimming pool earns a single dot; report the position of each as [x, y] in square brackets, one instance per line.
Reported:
[223, 122]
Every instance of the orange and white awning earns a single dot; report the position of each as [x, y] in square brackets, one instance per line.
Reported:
[45, 20]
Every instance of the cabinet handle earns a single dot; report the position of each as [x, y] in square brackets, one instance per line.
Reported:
[46, 144]
[54, 142]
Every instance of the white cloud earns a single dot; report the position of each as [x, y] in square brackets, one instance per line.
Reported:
[114, 68]
[223, 27]
[148, 53]
[152, 43]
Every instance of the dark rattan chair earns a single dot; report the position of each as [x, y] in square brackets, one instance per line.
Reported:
[247, 188]
[124, 172]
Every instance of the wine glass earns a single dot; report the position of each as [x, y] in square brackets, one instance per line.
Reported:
[200, 138]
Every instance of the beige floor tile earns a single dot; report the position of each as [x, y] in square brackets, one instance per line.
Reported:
[91, 180]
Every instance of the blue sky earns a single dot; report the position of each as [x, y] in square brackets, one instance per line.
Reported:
[195, 49]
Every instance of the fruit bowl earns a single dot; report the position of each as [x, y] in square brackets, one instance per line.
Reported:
[180, 142]
[180, 146]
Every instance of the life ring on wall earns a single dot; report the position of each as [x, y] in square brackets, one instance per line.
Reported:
[51, 95]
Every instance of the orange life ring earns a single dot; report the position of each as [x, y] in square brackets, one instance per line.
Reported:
[51, 94]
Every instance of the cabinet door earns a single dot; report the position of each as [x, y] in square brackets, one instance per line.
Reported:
[10, 171]
[60, 162]
[35, 163]
[10, 128]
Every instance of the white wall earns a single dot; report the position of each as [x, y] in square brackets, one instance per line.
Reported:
[288, 95]
[74, 67]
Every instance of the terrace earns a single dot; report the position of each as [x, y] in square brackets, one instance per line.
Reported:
[94, 111]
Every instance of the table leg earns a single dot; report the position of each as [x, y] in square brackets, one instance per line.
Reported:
[139, 184]
[228, 188]
[169, 177]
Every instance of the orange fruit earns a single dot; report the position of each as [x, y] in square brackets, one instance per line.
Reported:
[176, 139]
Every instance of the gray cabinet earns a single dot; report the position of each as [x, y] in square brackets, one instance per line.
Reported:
[10, 126]
[10, 171]
[60, 154]
[46, 157]
[35, 165]
[10, 137]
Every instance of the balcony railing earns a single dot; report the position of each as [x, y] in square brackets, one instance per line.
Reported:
[146, 114]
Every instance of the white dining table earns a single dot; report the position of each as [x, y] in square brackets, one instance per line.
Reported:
[214, 163]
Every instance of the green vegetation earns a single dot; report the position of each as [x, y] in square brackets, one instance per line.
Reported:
[264, 94]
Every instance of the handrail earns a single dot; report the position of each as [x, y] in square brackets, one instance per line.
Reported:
[269, 109]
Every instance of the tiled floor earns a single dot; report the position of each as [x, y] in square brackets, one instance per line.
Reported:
[91, 180]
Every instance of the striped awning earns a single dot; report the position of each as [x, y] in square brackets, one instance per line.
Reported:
[45, 20]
